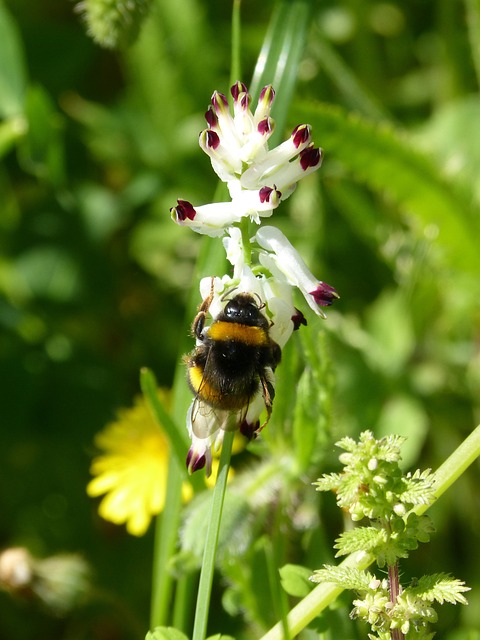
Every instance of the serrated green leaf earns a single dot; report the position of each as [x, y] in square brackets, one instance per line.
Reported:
[418, 489]
[328, 482]
[440, 587]
[114, 24]
[360, 539]
[165, 633]
[387, 161]
[296, 580]
[345, 577]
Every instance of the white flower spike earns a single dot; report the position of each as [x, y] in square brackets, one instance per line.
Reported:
[258, 179]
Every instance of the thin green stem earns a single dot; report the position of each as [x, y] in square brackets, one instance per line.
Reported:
[455, 465]
[184, 597]
[394, 584]
[165, 540]
[211, 541]
[275, 558]
[236, 65]
[316, 601]
[210, 261]
[247, 247]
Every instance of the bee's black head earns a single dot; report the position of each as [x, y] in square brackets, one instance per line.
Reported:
[243, 309]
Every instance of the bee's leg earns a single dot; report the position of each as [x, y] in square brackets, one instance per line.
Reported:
[268, 392]
[199, 320]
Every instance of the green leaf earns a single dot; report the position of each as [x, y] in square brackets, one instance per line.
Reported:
[177, 436]
[235, 530]
[312, 406]
[418, 488]
[328, 482]
[41, 151]
[451, 135]
[13, 74]
[387, 161]
[114, 24]
[360, 539]
[440, 587]
[345, 577]
[296, 580]
[165, 633]
[280, 57]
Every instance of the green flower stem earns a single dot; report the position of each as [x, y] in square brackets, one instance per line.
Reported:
[236, 67]
[166, 531]
[316, 601]
[183, 604]
[455, 465]
[211, 541]
[210, 261]
[324, 594]
[246, 234]
[394, 583]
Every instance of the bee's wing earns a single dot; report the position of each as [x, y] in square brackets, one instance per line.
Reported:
[206, 419]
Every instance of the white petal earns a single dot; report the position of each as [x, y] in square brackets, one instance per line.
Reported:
[211, 219]
[289, 262]
[234, 249]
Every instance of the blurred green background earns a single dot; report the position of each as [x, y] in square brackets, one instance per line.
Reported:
[97, 145]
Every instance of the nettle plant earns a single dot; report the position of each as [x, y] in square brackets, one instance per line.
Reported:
[373, 488]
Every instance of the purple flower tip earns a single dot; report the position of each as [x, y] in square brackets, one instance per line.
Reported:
[298, 319]
[194, 462]
[310, 157]
[301, 134]
[184, 210]
[237, 89]
[265, 126]
[212, 140]
[211, 118]
[267, 94]
[265, 194]
[248, 429]
[219, 102]
[324, 295]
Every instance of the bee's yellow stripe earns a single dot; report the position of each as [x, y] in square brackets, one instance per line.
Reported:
[195, 375]
[254, 336]
[213, 396]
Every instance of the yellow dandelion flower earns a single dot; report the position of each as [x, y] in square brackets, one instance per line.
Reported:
[132, 471]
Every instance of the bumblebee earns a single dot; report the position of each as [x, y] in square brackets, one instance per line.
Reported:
[233, 361]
